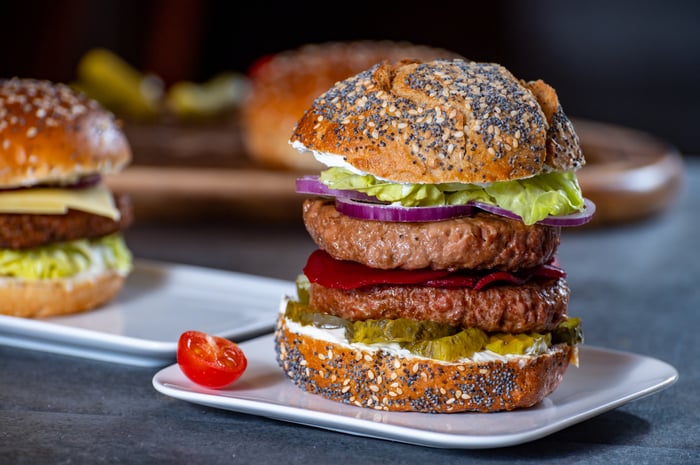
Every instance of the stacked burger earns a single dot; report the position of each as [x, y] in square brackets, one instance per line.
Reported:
[61, 247]
[435, 287]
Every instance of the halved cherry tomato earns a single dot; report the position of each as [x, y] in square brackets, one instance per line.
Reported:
[210, 361]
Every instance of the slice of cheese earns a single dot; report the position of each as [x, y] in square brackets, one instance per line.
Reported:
[97, 200]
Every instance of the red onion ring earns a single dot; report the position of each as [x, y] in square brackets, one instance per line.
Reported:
[362, 206]
[312, 185]
[572, 219]
[82, 182]
[399, 213]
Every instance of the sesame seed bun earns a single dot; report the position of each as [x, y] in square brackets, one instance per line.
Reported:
[388, 381]
[283, 85]
[447, 120]
[50, 133]
[54, 297]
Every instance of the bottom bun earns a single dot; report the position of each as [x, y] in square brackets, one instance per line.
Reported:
[51, 297]
[383, 380]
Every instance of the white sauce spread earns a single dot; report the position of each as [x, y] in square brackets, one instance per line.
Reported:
[337, 336]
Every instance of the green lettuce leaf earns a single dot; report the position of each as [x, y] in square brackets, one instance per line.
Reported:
[533, 199]
[66, 259]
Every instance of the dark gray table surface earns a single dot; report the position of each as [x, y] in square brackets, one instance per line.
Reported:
[636, 287]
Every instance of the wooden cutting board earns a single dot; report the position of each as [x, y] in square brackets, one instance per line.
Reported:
[629, 174]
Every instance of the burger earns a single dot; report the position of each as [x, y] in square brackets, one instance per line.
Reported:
[435, 286]
[61, 248]
[284, 84]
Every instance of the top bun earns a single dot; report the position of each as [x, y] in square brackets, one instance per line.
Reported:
[282, 86]
[50, 133]
[447, 120]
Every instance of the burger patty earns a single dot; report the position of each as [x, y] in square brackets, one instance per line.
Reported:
[534, 306]
[21, 231]
[481, 241]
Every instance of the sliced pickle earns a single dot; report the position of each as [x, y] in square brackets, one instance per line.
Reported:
[303, 284]
[299, 313]
[450, 348]
[398, 330]
[518, 344]
[197, 100]
[569, 332]
[430, 339]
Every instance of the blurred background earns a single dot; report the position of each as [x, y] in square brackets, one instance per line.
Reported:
[635, 63]
[632, 64]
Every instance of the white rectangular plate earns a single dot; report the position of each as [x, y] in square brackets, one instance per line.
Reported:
[605, 380]
[158, 302]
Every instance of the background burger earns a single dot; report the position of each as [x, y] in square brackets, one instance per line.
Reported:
[435, 287]
[61, 250]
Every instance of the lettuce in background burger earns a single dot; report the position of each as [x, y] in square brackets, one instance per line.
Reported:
[435, 287]
[61, 249]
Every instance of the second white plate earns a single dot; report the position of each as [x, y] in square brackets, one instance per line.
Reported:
[605, 380]
[158, 302]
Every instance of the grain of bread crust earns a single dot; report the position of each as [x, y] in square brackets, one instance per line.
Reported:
[447, 120]
[382, 381]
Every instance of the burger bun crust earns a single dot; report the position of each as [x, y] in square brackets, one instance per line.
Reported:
[54, 297]
[385, 381]
[446, 120]
[50, 133]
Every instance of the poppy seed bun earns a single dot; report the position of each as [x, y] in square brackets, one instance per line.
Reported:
[50, 133]
[55, 297]
[441, 121]
[382, 380]
[285, 84]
